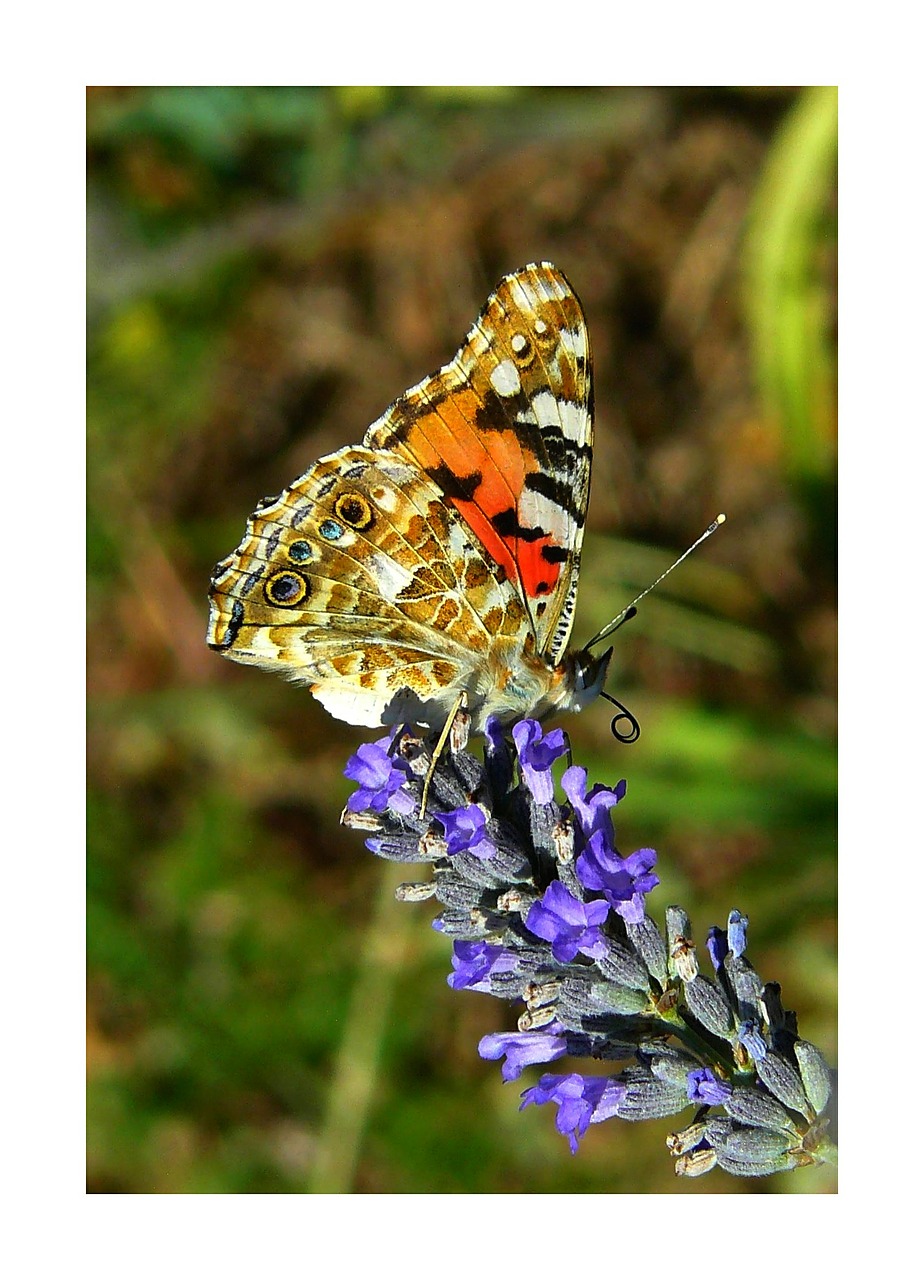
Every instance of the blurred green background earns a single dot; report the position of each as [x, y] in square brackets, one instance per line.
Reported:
[268, 269]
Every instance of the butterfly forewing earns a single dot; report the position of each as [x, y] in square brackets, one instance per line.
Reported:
[506, 430]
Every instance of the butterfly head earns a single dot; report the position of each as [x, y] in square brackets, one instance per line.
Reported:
[589, 676]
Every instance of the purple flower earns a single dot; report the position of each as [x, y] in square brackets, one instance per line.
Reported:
[750, 1037]
[494, 735]
[466, 832]
[498, 757]
[474, 962]
[737, 932]
[622, 881]
[537, 754]
[568, 923]
[591, 808]
[380, 778]
[717, 946]
[581, 1101]
[704, 1087]
[522, 1048]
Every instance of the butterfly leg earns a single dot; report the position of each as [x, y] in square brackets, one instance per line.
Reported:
[458, 705]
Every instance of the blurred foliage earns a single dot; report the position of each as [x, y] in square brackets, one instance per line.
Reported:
[787, 294]
[268, 268]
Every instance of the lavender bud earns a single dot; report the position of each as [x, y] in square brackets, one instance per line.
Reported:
[755, 1153]
[623, 966]
[752, 1107]
[696, 1163]
[418, 891]
[648, 942]
[534, 1019]
[622, 1000]
[709, 1006]
[815, 1074]
[648, 1098]
[784, 1082]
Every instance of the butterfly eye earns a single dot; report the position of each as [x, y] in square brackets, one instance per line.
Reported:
[523, 350]
[354, 510]
[300, 551]
[286, 589]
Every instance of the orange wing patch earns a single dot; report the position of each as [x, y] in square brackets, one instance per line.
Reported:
[506, 432]
[483, 475]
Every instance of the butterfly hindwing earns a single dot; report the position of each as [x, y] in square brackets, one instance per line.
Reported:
[361, 581]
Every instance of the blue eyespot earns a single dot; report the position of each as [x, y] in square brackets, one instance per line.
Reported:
[300, 551]
[331, 530]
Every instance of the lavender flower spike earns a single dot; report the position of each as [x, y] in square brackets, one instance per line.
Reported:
[543, 910]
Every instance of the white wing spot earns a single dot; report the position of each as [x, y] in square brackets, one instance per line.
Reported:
[518, 342]
[262, 645]
[536, 509]
[540, 326]
[385, 498]
[390, 577]
[545, 408]
[505, 378]
[573, 340]
[573, 420]
[551, 411]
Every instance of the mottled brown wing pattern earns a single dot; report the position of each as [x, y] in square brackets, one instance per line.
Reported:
[361, 581]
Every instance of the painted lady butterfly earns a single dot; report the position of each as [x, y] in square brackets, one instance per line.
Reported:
[440, 558]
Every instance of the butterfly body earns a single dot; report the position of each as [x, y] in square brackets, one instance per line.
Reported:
[441, 556]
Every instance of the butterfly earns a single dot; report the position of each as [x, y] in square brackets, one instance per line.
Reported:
[437, 563]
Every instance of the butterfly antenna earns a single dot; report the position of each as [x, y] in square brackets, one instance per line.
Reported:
[629, 734]
[630, 610]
